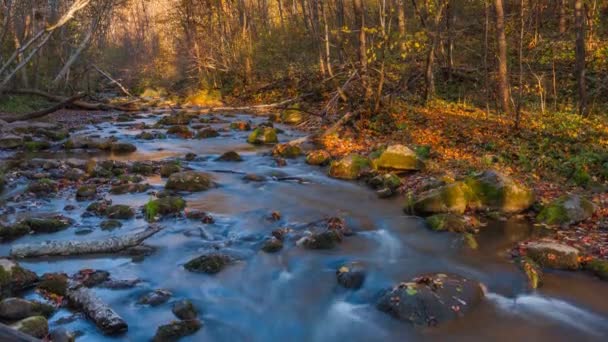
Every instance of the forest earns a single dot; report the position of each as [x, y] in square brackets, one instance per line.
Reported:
[362, 169]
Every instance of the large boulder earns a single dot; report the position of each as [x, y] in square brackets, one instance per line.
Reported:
[497, 192]
[191, 181]
[451, 198]
[398, 158]
[350, 167]
[318, 157]
[49, 224]
[17, 308]
[553, 254]
[431, 299]
[184, 310]
[14, 278]
[36, 326]
[263, 135]
[566, 210]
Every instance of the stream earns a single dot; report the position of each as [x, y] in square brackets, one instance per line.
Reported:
[292, 295]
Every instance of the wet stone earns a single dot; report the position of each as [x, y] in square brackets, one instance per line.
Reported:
[184, 310]
[155, 297]
[351, 276]
[175, 330]
[210, 263]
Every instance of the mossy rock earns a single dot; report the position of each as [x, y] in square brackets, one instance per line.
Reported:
[120, 212]
[98, 208]
[176, 330]
[387, 180]
[129, 188]
[292, 116]
[318, 157]
[142, 168]
[43, 187]
[449, 222]
[34, 146]
[110, 224]
[351, 276]
[553, 254]
[209, 263]
[47, 225]
[324, 240]
[8, 233]
[566, 210]
[191, 181]
[56, 283]
[36, 326]
[240, 126]
[207, 133]
[151, 135]
[14, 278]
[184, 310]
[10, 141]
[177, 119]
[169, 205]
[230, 156]
[451, 198]
[431, 299]
[287, 151]
[169, 169]
[263, 135]
[350, 167]
[17, 308]
[493, 191]
[86, 192]
[398, 158]
[272, 245]
[532, 271]
[182, 131]
[598, 267]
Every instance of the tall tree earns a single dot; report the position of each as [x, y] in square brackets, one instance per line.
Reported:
[579, 23]
[501, 39]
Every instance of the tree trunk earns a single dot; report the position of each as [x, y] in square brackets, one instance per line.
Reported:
[401, 24]
[502, 82]
[579, 23]
[563, 4]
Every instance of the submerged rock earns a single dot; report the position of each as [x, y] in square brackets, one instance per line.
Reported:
[14, 278]
[287, 150]
[431, 299]
[120, 212]
[110, 224]
[175, 330]
[263, 135]
[207, 133]
[86, 192]
[398, 158]
[182, 131]
[567, 210]
[351, 276]
[169, 205]
[272, 245]
[151, 135]
[36, 326]
[450, 223]
[191, 181]
[155, 297]
[553, 254]
[350, 167]
[324, 240]
[230, 156]
[16, 308]
[43, 187]
[318, 157]
[169, 169]
[240, 126]
[598, 267]
[209, 263]
[184, 310]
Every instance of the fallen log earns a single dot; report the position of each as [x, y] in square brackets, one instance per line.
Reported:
[258, 107]
[44, 112]
[77, 103]
[66, 248]
[9, 334]
[98, 311]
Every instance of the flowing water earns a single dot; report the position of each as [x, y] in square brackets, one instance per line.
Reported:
[293, 295]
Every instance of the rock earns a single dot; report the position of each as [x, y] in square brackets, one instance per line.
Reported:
[533, 272]
[74, 174]
[240, 126]
[169, 205]
[151, 135]
[431, 299]
[142, 168]
[230, 156]
[169, 169]
[110, 224]
[263, 135]
[292, 116]
[62, 335]
[36, 145]
[122, 148]
[553, 254]
[318, 157]
[155, 297]
[272, 245]
[598, 267]
[120, 212]
[350, 167]
[325, 240]
[451, 198]
[99, 208]
[36, 326]
[184, 310]
[190, 156]
[86, 192]
[13, 309]
[10, 141]
[492, 191]
[90, 278]
[449, 223]
[48, 224]
[398, 158]
[566, 210]
[287, 150]
[182, 131]
[56, 283]
[195, 214]
[43, 187]
[207, 133]
[252, 177]
[177, 119]
[191, 181]
[351, 276]
[14, 278]
[129, 188]
[175, 330]
[209, 263]
[14, 231]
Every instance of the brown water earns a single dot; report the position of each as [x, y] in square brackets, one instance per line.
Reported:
[293, 295]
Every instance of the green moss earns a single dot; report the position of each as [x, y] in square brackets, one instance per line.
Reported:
[163, 206]
[318, 157]
[287, 151]
[34, 146]
[54, 283]
[598, 267]
[554, 213]
[21, 104]
[14, 231]
[47, 225]
[120, 212]
[350, 167]
[169, 169]
[263, 135]
[293, 115]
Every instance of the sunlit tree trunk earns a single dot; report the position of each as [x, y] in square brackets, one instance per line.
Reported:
[579, 23]
[502, 82]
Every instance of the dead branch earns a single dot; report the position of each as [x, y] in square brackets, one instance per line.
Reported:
[257, 107]
[74, 57]
[340, 93]
[67, 248]
[41, 113]
[112, 80]
[77, 103]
